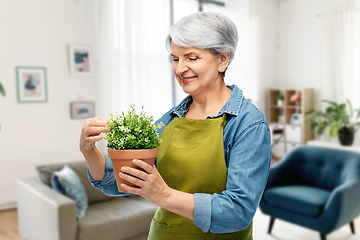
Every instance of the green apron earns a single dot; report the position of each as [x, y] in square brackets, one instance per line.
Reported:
[191, 159]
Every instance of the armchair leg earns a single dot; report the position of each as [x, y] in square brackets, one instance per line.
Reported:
[322, 236]
[272, 220]
[352, 227]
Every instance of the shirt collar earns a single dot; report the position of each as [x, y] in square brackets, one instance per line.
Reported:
[232, 106]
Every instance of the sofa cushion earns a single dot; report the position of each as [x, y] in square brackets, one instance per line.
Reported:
[80, 168]
[73, 188]
[305, 200]
[56, 185]
[120, 218]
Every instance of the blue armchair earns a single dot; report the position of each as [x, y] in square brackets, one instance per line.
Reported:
[315, 187]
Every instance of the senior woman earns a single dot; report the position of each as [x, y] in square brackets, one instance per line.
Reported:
[214, 160]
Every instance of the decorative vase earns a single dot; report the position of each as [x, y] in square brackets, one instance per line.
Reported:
[346, 137]
[120, 158]
[280, 103]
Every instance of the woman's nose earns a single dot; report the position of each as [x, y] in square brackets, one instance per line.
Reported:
[181, 67]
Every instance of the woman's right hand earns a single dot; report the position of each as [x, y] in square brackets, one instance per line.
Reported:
[91, 132]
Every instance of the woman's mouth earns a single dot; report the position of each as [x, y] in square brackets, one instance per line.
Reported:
[187, 79]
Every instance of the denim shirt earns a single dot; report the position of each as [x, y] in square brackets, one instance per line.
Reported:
[247, 151]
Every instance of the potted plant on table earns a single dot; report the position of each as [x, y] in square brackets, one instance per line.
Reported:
[280, 100]
[131, 136]
[342, 122]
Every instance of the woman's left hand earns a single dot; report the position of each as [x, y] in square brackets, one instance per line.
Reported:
[150, 183]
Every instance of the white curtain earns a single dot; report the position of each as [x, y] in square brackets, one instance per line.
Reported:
[133, 64]
[340, 73]
[245, 69]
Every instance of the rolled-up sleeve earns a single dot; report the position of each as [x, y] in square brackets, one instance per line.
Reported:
[108, 184]
[248, 169]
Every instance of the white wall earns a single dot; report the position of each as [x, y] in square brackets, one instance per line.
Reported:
[37, 33]
[267, 11]
[299, 55]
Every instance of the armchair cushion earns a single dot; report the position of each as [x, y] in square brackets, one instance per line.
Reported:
[304, 200]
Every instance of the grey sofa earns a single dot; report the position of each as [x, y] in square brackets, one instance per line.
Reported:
[45, 214]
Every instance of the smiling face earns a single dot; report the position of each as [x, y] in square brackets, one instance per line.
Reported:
[196, 70]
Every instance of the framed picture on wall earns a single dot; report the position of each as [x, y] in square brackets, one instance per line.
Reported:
[79, 58]
[31, 84]
[82, 110]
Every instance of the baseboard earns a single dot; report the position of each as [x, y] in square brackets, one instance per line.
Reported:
[8, 206]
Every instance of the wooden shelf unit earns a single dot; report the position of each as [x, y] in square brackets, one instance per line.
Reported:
[280, 117]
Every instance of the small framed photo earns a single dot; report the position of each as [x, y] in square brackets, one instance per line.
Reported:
[82, 110]
[31, 84]
[79, 58]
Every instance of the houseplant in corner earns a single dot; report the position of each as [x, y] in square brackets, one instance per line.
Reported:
[131, 136]
[342, 122]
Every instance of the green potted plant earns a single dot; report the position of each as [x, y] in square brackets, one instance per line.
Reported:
[342, 122]
[2, 92]
[280, 100]
[131, 136]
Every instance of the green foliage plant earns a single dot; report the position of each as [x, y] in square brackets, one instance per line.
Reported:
[2, 90]
[132, 131]
[279, 97]
[336, 116]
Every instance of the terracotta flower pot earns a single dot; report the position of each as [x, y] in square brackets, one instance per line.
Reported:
[121, 158]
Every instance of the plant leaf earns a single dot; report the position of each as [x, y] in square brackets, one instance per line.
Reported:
[351, 110]
[332, 103]
[314, 125]
[320, 130]
[2, 90]
[334, 130]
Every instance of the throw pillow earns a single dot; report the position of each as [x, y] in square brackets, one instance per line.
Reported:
[73, 188]
[56, 185]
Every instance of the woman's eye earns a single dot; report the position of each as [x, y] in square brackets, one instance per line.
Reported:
[175, 59]
[193, 58]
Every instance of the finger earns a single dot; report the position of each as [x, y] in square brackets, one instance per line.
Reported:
[143, 165]
[131, 179]
[134, 172]
[100, 122]
[90, 127]
[93, 139]
[92, 131]
[97, 121]
[130, 189]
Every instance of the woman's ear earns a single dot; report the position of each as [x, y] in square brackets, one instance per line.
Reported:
[224, 61]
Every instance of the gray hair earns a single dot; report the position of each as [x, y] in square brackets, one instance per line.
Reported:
[205, 30]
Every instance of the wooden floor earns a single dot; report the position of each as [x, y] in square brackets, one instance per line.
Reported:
[281, 230]
[9, 225]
